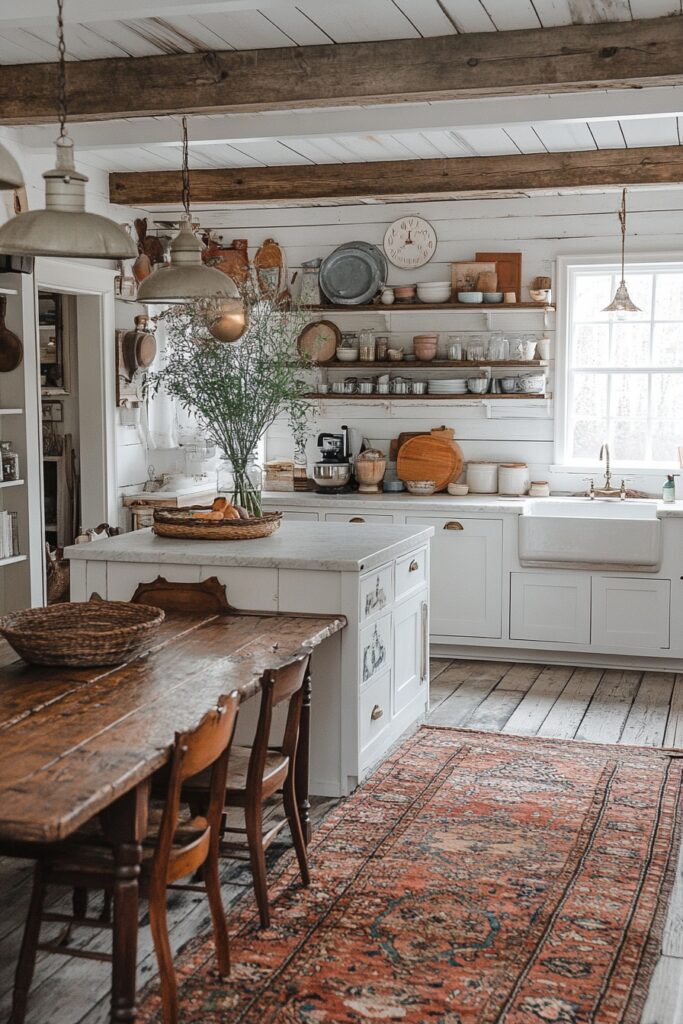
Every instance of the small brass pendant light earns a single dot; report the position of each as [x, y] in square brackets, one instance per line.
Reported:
[622, 302]
[64, 228]
[186, 278]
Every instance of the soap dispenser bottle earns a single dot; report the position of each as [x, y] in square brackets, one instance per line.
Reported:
[669, 489]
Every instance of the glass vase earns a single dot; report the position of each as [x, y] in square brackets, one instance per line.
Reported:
[241, 483]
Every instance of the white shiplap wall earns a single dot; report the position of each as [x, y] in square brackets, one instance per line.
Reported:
[541, 227]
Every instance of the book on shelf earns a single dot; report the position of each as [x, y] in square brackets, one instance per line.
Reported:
[9, 534]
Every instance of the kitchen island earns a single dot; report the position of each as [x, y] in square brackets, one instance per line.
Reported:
[370, 682]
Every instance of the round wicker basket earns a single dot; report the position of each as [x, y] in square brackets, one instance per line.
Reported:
[170, 522]
[82, 633]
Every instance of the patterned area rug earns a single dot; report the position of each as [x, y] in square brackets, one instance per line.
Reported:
[474, 879]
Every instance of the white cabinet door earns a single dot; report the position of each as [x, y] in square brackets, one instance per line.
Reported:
[550, 606]
[298, 514]
[411, 649]
[631, 612]
[466, 575]
[358, 517]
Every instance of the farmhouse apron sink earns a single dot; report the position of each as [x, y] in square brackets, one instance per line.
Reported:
[589, 534]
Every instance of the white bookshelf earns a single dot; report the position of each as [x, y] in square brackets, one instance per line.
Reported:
[22, 578]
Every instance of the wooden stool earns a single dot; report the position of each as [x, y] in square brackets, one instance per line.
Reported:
[256, 773]
[173, 849]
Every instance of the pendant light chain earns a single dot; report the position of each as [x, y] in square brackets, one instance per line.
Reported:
[186, 170]
[622, 221]
[61, 49]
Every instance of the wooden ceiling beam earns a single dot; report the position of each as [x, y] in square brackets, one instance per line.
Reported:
[394, 179]
[573, 58]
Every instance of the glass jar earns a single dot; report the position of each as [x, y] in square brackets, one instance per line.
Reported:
[476, 349]
[310, 286]
[499, 348]
[241, 484]
[366, 344]
[454, 346]
[381, 347]
[10, 461]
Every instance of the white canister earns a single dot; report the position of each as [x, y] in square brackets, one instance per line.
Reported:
[513, 478]
[482, 477]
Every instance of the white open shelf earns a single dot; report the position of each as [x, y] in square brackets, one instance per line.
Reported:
[11, 412]
[11, 483]
[12, 560]
[8, 291]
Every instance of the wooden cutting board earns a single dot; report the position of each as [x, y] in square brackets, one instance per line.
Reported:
[430, 457]
[397, 443]
[508, 268]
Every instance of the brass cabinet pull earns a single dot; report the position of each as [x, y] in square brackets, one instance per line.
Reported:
[376, 713]
[356, 519]
[414, 566]
[453, 525]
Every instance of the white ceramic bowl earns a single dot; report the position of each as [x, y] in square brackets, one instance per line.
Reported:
[423, 487]
[347, 355]
[434, 291]
[470, 298]
[478, 385]
[493, 296]
[459, 490]
[531, 383]
[508, 385]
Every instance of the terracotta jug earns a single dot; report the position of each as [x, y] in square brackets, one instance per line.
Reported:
[11, 348]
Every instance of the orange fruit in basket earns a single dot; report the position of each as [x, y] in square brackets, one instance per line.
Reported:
[220, 504]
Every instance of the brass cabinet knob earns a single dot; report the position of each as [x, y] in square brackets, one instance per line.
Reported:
[414, 566]
[453, 525]
[356, 519]
[376, 713]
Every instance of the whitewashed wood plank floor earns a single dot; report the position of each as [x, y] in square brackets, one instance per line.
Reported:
[552, 701]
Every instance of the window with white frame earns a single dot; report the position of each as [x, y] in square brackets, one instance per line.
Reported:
[624, 377]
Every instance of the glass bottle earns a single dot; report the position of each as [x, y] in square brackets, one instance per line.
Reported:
[366, 344]
[10, 461]
[241, 483]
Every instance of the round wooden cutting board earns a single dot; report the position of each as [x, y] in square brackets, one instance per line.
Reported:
[430, 458]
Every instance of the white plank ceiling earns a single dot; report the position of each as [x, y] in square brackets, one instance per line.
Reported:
[479, 127]
[96, 28]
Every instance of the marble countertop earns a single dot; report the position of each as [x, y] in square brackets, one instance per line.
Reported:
[395, 502]
[341, 547]
[447, 503]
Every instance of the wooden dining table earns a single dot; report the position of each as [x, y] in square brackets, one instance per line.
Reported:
[76, 743]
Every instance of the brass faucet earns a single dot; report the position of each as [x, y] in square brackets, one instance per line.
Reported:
[604, 453]
[606, 490]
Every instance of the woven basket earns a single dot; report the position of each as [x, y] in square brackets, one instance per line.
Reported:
[171, 522]
[82, 633]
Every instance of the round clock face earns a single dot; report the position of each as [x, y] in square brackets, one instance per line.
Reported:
[410, 242]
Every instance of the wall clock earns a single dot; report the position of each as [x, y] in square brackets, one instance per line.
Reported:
[410, 242]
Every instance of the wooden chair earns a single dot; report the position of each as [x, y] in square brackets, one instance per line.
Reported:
[256, 773]
[174, 849]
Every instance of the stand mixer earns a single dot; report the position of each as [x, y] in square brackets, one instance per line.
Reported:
[333, 472]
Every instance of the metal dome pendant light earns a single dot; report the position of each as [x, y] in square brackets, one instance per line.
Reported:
[186, 278]
[622, 302]
[64, 228]
[10, 175]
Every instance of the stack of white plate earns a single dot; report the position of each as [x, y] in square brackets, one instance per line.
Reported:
[447, 387]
